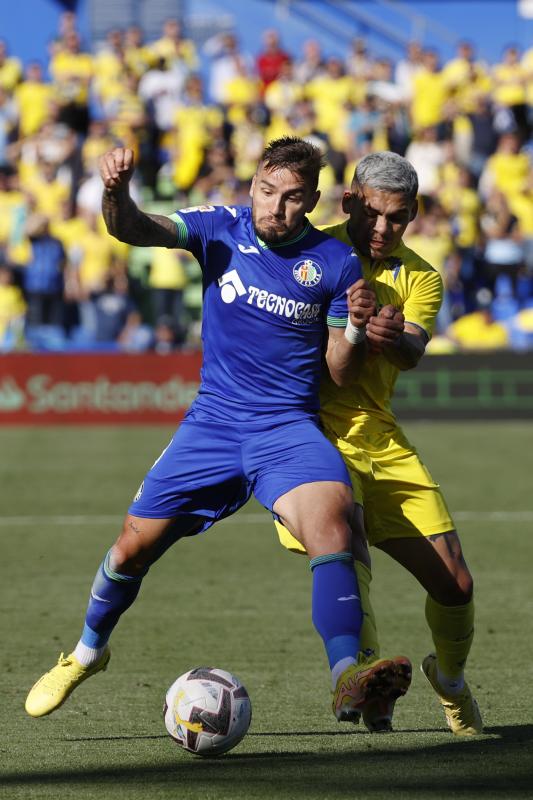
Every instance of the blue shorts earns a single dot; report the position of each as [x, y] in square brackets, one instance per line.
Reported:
[210, 470]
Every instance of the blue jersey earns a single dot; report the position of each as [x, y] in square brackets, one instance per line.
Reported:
[265, 313]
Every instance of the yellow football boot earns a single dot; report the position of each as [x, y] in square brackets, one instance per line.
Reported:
[462, 712]
[378, 711]
[362, 683]
[54, 687]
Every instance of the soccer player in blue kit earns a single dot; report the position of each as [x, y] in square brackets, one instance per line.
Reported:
[276, 300]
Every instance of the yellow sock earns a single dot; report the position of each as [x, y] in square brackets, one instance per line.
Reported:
[369, 643]
[452, 628]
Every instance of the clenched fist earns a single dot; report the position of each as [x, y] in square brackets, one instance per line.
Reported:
[385, 329]
[116, 168]
[361, 303]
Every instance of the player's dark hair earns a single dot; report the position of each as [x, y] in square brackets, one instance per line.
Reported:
[296, 155]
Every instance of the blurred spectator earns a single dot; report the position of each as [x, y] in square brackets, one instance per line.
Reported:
[527, 64]
[508, 169]
[136, 336]
[43, 274]
[502, 251]
[194, 126]
[227, 63]
[46, 189]
[284, 91]
[363, 121]
[462, 204]
[33, 97]
[429, 236]
[484, 137]
[109, 67]
[72, 70]
[271, 58]
[430, 94]
[510, 81]
[165, 338]
[383, 86]
[407, 68]
[479, 330]
[14, 208]
[98, 140]
[216, 181]
[240, 92]
[161, 89]
[8, 122]
[359, 64]
[312, 64]
[167, 280]
[332, 95]
[247, 142]
[138, 57]
[116, 318]
[92, 260]
[10, 69]
[174, 49]
[67, 25]
[427, 155]
[459, 70]
[12, 311]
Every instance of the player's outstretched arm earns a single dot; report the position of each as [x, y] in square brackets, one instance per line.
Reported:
[346, 349]
[123, 219]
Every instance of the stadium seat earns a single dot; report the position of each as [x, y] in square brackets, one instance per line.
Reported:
[505, 305]
[46, 338]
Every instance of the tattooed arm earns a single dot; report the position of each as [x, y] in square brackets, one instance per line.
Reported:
[123, 219]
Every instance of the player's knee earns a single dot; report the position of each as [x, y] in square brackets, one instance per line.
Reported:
[457, 590]
[128, 558]
[465, 586]
[335, 537]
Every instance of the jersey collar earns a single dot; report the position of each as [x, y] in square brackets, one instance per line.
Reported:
[301, 235]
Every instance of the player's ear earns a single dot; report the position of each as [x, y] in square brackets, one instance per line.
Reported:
[251, 192]
[414, 211]
[346, 202]
[313, 201]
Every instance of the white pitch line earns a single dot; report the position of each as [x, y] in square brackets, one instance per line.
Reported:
[493, 516]
[240, 519]
[243, 519]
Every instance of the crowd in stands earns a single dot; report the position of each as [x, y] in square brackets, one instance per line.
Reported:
[65, 284]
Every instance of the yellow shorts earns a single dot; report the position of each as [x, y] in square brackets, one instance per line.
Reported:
[399, 496]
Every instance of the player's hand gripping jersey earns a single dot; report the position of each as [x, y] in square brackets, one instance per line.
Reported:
[261, 304]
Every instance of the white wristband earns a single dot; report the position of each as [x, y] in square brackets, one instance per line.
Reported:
[353, 334]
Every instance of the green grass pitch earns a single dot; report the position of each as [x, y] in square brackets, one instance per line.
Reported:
[233, 598]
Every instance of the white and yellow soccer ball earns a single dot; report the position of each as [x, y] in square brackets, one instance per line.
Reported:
[207, 711]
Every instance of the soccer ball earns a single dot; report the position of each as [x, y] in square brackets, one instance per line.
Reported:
[207, 711]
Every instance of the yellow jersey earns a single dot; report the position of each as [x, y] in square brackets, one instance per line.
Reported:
[403, 280]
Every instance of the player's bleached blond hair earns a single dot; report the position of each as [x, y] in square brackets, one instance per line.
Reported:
[296, 155]
[387, 172]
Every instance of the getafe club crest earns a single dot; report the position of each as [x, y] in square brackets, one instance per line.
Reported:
[307, 273]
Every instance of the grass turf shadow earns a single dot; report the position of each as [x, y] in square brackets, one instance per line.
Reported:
[493, 767]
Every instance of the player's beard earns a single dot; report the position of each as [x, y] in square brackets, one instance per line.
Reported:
[270, 234]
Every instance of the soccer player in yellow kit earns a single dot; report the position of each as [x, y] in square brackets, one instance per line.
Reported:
[404, 511]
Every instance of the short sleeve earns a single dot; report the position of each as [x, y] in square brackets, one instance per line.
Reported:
[337, 313]
[424, 300]
[195, 229]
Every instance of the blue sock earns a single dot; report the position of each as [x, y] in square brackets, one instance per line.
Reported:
[111, 594]
[337, 613]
